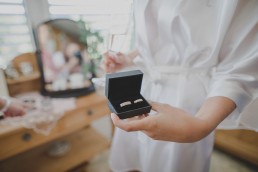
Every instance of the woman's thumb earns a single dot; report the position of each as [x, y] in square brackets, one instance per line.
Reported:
[156, 106]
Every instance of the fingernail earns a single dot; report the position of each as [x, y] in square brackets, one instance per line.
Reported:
[113, 116]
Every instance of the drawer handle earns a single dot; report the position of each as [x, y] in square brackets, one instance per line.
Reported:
[89, 112]
[26, 137]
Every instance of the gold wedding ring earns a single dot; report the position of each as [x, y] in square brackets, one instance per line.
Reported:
[125, 103]
[138, 100]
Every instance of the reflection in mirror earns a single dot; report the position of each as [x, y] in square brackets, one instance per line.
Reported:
[64, 61]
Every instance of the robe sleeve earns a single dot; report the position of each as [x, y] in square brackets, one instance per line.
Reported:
[236, 75]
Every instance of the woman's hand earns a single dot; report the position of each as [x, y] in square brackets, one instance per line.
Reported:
[113, 61]
[174, 124]
[16, 108]
[169, 124]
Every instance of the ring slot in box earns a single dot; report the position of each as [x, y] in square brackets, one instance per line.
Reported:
[123, 94]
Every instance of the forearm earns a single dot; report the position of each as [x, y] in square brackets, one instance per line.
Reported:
[175, 124]
[213, 111]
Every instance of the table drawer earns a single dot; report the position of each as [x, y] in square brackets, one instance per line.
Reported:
[26, 139]
[96, 111]
[87, 109]
[84, 144]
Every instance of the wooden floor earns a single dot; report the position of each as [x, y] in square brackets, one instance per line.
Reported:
[220, 162]
[84, 145]
[240, 143]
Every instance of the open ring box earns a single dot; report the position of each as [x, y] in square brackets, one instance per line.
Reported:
[123, 94]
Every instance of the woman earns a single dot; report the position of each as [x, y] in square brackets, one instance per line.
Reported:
[199, 60]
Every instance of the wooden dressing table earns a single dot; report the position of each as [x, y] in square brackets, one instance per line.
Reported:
[24, 150]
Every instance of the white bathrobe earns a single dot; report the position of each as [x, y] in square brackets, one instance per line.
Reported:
[191, 50]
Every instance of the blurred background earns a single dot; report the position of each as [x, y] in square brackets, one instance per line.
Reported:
[77, 134]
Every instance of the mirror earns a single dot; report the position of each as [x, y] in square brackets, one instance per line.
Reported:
[64, 62]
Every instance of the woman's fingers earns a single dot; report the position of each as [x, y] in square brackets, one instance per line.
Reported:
[119, 58]
[108, 60]
[134, 124]
[109, 63]
[156, 106]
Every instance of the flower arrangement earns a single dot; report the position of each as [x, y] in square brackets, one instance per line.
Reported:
[94, 41]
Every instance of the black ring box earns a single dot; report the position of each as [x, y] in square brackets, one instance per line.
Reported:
[122, 87]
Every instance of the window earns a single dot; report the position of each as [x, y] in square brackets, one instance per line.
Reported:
[15, 33]
[112, 18]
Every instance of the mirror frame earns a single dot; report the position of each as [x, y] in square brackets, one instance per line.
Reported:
[61, 93]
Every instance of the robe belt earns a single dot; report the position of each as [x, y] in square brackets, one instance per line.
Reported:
[158, 74]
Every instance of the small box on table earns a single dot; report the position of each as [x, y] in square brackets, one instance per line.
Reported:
[123, 94]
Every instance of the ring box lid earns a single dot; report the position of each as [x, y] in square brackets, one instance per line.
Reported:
[126, 87]
[122, 85]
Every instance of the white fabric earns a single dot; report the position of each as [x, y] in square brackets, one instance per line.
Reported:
[191, 50]
[44, 115]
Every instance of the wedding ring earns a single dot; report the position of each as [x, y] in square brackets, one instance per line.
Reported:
[125, 103]
[138, 100]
